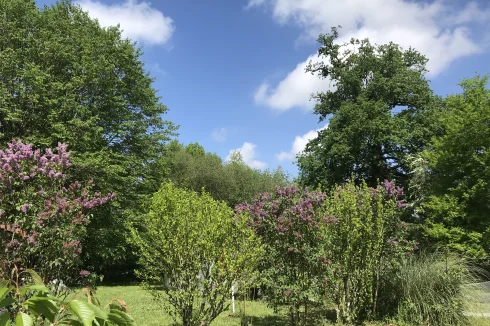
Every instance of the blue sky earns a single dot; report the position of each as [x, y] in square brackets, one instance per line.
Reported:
[231, 71]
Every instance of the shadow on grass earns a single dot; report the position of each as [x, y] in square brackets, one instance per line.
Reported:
[315, 318]
[263, 321]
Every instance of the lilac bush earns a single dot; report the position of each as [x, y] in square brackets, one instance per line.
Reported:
[291, 224]
[43, 217]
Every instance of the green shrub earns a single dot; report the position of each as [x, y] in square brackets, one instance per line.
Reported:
[429, 289]
[193, 248]
[365, 241]
[291, 224]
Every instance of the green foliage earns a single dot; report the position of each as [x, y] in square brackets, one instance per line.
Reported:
[365, 241]
[379, 112]
[66, 79]
[429, 290]
[193, 248]
[34, 304]
[456, 215]
[291, 225]
[43, 217]
[234, 182]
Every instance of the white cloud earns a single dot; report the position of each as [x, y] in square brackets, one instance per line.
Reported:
[293, 91]
[299, 145]
[138, 20]
[254, 3]
[249, 156]
[436, 29]
[219, 135]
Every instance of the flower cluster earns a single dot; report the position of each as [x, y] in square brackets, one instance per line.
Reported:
[291, 223]
[43, 217]
[392, 191]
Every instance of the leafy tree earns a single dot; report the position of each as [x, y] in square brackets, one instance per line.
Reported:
[42, 217]
[66, 79]
[456, 215]
[194, 249]
[379, 110]
[234, 182]
[364, 244]
[291, 225]
[244, 183]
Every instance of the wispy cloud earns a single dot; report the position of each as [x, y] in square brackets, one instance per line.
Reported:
[219, 135]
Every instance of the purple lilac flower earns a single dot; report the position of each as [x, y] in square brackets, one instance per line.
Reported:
[84, 273]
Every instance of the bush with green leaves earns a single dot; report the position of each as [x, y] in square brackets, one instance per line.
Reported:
[192, 249]
[364, 243]
[43, 216]
[32, 303]
[291, 224]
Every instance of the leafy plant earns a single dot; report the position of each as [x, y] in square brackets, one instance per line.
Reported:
[67, 79]
[32, 304]
[428, 289]
[234, 182]
[366, 240]
[291, 224]
[455, 216]
[43, 217]
[193, 248]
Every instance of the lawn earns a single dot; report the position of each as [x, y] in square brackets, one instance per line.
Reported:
[146, 311]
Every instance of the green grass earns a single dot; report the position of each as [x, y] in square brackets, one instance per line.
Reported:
[146, 311]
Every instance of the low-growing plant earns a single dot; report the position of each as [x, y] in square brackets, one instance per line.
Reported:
[428, 289]
[27, 301]
[192, 249]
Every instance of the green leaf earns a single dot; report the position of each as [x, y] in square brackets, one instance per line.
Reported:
[83, 311]
[35, 277]
[6, 302]
[5, 319]
[120, 318]
[34, 287]
[99, 313]
[23, 319]
[46, 308]
[70, 322]
[4, 291]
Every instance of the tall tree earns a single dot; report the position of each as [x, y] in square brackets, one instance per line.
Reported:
[64, 78]
[378, 110]
[458, 169]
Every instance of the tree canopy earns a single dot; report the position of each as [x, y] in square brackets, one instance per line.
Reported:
[458, 185]
[378, 107]
[66, 79]
[233, 181]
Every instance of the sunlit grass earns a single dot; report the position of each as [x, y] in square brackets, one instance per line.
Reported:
[147, 311]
